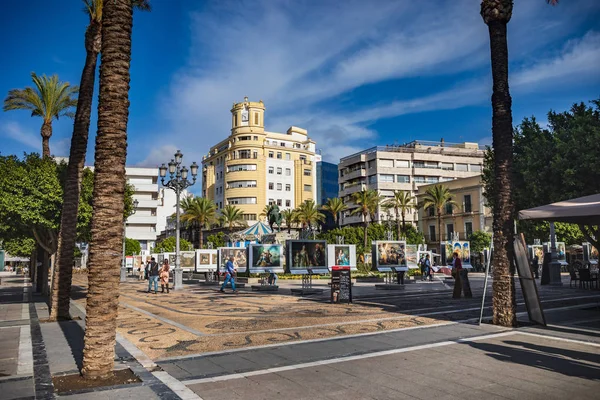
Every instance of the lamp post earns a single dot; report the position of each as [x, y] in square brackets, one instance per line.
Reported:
[177, 182]
[124, 264]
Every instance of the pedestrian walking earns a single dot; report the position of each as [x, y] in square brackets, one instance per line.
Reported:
[153, 273]
[164, 276]
[147, 269]
[456, 269]
[142, 272]
[229, 275]
[428, 269]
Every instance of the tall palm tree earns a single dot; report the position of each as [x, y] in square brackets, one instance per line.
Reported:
[232, 216]
[335, 206]
[308, 214]
[61, 282]
[289, 216]
[201, 211]
[49, 99]
[368, 202]
[109, 191]
[438, 197]
[401, 203]
[496, 14]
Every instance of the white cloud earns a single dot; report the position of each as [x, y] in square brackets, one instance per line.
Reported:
[14, 131]
[159, 155]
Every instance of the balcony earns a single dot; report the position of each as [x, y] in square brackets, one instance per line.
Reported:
[148, 203]
[142, 219]
[355, 173]
[146, 187]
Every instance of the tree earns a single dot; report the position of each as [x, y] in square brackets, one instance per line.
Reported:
[49, 99]
[402, 202]
[479, 240]
[132, 247]
[201, 211]
[438, 197]
[109, 191]
[168, 245]
[335, 206]
[218, 239]
[289, 216]
[496, 14]
[232, 217]
[21, 246]
[308, 214]
[367, 201]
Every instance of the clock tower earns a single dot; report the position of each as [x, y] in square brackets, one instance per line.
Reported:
[247, 116]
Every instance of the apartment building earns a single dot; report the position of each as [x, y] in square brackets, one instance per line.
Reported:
[405, 167]
[471, 213]
[253, 167]
[327, 181]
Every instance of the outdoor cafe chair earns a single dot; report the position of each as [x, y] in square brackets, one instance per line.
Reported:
[574, 277]
[585, 278]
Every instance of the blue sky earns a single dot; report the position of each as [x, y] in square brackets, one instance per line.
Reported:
[354, 73]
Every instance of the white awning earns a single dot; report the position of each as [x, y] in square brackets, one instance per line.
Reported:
[583, 210]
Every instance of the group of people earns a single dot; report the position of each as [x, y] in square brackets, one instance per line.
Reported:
[153, 273]
[426, 268]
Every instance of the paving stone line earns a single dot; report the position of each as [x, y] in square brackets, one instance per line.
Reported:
[25, 360]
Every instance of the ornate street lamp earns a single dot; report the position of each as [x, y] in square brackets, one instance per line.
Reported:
[124, 264]
[177, 182]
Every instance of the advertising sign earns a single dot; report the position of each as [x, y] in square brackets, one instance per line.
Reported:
[265, 258]
[341, 285]
[389, 255]
[240, 262]
[411, 256]
[341, 255]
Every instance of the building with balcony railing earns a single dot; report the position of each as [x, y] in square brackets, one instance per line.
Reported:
[469, 215]
[252, 167]
[405, 167]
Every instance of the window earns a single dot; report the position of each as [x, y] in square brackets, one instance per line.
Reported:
[371, 164]
[475, 168]
[419, 179]
[308, 188]
[386, 178]
[402, 164]
[235, 120]
[402, 178]
[255, 138]
[249, 217]
[432, 233]
[241, 167]
[240, 184]
[386, 163]
[270, 185]
[244, 153]
[271, 202]
[449, 209]
[279, 155]
[447, 166]
[303, 157]
[462, 167]
[468, 207]
[288, 156]
[418, 164]
[468, 229]
[245, 138]
[373, 179]
[271, 170]
[278, 170]
[255, 154]
[307, 172]
[279, 187]
[282, 144]
[271, 154]
[288, 172]
[431, 211]
[241, 200]
[432, 179]
[449, 231]
[288, 203]
[255, 118]
[288, 187]
[279, 202]
[220, 204]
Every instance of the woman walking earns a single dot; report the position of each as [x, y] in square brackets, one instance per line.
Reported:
[164, 276]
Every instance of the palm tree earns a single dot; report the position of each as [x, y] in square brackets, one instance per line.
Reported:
[61, 283]
[289, 216]
[308, 214]
[109, 191]
[438, 197]
[368, 202]
[232, 216]
[496, 14]
[201, 211]
[49, 99]
[335, 206]
[402, 202]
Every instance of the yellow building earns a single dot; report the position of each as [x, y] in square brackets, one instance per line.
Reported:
[253, 167]
[471, 214]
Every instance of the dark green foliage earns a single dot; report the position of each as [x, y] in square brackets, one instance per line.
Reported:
[168, 245]
[19, 246]
[479, 240]
[218, 239]
[132, 247]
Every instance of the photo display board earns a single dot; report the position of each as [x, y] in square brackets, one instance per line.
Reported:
[129, 262]
[265, 258]
[206, 260]
[307, 256]
[561, 251]
[537, 251]
[341, 255]
[590, 254]
[240, 260]
[462, 248]
[389, 255]
[341, 285]
[137, 262]
[412, 259]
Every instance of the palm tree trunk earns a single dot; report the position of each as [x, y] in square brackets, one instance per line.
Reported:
[397, 211]
[504, 302]
[63, 271]
[366, 223]
[439, 218]
[109, 191]
[200, 238]
[46, 132]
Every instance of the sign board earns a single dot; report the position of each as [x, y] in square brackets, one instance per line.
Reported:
[129, 262]
[389, 255]
[240, 260]
[590, 254]
[306, 256]
[412, 258]
[206, 260]
[528, 286]
[341, 285]
[462, 248]
[341, 255]
[265, 258]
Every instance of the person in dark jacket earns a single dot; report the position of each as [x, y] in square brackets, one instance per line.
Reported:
[153, 273]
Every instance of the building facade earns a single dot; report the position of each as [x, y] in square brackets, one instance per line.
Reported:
[471, 213]
[405, 167]
[253, 167]
[327, 181]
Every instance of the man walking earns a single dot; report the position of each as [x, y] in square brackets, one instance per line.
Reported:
[153, 275]
[427, 263]
[229, 275]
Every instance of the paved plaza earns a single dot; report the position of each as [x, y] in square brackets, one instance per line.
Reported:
[411, 343]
